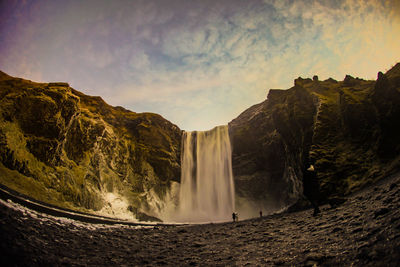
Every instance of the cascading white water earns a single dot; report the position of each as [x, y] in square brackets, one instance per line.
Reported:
[207, 190]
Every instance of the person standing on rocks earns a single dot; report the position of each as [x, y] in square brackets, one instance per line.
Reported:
[234, 217]
[311, 187]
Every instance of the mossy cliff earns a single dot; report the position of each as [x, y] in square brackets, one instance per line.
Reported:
[66, 148]
[350, 131]
[63, 147]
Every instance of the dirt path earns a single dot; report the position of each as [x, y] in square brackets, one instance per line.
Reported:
[364, 231]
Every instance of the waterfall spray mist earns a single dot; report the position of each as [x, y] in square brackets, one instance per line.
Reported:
[207, 190]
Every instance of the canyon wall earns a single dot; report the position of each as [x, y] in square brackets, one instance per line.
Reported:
[350, 131]
[63, 147]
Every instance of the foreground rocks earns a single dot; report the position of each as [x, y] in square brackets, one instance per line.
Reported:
[363, 231]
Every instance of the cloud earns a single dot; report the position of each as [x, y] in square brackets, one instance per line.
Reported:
[207, 60]
[238, 57]
[139, 60]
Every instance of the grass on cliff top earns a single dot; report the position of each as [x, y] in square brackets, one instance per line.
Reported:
[32, 188]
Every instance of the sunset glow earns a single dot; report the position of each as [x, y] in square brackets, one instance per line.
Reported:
[197, 63]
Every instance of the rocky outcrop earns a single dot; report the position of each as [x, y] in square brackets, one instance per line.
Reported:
[66, 148]
[349, 130]
[63, 147]
[270, 143]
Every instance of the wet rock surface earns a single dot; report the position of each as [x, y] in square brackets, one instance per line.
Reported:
[363, 231]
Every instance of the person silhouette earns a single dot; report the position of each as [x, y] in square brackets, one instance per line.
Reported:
[234, 217]
[311, 187]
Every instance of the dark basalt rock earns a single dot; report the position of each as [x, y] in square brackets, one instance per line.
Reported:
[381, 211]
[386, 98]
[69, 148]
[274, 135]
[349, 129]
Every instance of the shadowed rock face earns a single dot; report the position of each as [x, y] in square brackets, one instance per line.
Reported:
[349, 129]
[66, 148]
[61, 146]
[270, 141]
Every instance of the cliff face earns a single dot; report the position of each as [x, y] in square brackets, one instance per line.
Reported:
[350, 131]
[66, 148]
[63, 147]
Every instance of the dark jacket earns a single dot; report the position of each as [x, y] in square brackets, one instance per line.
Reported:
[311, 185]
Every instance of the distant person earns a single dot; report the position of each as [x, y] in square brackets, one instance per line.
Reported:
[234, 217]
[260, 214]
[311, 187]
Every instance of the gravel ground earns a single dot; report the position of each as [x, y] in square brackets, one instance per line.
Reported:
[364, 231]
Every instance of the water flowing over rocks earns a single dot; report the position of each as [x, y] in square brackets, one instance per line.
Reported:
[68, 149]
[63, 147]
[207, 192]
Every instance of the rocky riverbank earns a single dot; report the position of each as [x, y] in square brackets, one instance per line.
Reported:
[364, 231]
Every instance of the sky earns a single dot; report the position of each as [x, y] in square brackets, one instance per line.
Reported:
[198, 63]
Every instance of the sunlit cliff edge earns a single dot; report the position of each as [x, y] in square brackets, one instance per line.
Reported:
[350, 131]
[69, 149]
[66, 148]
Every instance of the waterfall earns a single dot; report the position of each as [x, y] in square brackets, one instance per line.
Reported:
[207, 189]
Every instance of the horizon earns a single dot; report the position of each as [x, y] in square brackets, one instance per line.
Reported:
[198, 64]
